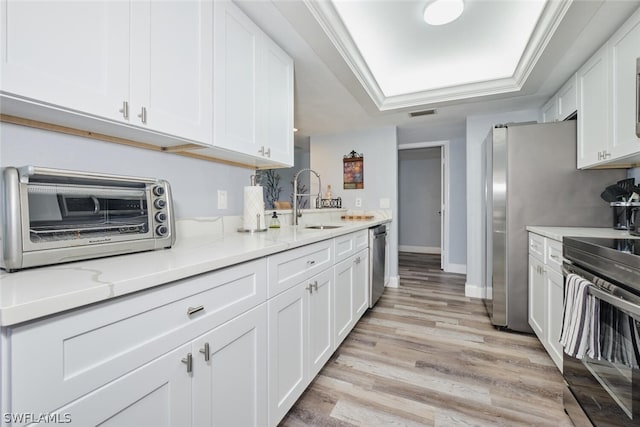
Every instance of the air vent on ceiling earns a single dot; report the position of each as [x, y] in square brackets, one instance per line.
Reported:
[422, 113]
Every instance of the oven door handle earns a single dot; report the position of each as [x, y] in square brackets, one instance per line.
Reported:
[630, 305]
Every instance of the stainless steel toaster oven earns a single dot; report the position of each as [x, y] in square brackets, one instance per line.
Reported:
[52, 216]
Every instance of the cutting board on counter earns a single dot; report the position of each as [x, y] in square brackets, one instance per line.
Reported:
[357, 217]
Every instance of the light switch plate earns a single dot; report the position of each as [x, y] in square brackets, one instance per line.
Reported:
[358, 202]
[222, 199]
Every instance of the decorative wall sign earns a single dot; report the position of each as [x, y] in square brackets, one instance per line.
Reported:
[353, 164]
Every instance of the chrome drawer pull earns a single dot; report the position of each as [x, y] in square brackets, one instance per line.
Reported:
[309, 288]
[310, 262]
[205, 351]
[193, 310]
[315, 285]
[125, 110]
[189, 362]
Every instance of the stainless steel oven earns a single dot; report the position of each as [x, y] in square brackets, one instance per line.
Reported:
[605, 391]
[51, 216]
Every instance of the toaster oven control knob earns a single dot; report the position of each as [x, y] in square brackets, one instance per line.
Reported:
[158, 190]
[161, 217]
[162, 230]
[160, 203]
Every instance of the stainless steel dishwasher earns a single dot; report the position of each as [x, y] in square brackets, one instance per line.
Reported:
[377, 246]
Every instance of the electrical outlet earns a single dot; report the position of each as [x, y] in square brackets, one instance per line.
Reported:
[222, 199]
[358, 202]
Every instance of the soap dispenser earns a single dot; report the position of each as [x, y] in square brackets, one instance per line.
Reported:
[275, 222]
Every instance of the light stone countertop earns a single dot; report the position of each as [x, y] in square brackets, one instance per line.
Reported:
[557, 233]
[202, 245]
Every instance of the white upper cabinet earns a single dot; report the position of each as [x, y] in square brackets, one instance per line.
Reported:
[139, 65]
[608, 105]
[550, 110]
[253, 90]
[171, 72]
[568, 98]
[69, 54]
[624, 49]
[593, 116]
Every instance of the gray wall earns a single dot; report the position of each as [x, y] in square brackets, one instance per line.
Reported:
[194, 182]
[380, 149]
[457, 186]
[419, 191]
[634, 173]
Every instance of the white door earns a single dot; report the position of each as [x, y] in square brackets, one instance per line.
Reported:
[343, 300]
[230, 388]
[287, 352]
[276, 104]
[625, 50]
[555, 296]
[236, 45]
[172, 73]
[70, 54]
[593, 120]
[361, 284]
[320, 322]
[156, 395]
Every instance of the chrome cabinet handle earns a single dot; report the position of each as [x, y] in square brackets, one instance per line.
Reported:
[143, 115]
[357, 260]
[205, 351]
[267, 153]
[555, 257]
[312, 286]
[310, 262]
[193, 310]
[309, 288]
[189, 362]
[125, 109]
[315, 285]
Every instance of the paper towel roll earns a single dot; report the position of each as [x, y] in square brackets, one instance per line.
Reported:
[253, 206]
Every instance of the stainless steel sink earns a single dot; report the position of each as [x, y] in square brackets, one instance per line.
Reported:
[322, 227]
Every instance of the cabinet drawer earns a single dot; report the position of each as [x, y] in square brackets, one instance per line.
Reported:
[291, 267]
[90, 347]
[349, 244]
[536, 246]
[553, 257]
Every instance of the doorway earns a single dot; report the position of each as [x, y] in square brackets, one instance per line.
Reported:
[423, 181]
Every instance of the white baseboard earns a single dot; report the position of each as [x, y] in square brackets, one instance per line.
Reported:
[394, 282]
[419, 249]
[456, 268]
[474, 291]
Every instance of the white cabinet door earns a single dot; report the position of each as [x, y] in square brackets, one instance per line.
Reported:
[236, 45]
[320, 322]
[593, 122]
[287, 350]
[568, 98]
[172, 68]
[276, 103]
[625, 49]
[555, 296]
[343, 300]
[229, 389]
[550, 110]
[156, 394]
[68, 54]
[360, 284]
[537, 297]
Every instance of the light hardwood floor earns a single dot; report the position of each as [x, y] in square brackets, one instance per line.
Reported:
[426, 355]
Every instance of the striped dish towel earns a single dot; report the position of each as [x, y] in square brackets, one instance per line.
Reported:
[580, 323]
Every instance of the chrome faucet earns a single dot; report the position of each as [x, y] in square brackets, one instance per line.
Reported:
[296, 213]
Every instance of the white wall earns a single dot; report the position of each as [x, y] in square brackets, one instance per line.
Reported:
[477, 129]
[380, 150]
[194, 182]
[419, 200]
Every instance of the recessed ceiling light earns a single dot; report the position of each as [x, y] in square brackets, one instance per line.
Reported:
[440, 12]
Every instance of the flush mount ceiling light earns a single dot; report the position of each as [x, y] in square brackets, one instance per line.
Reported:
[441, 12]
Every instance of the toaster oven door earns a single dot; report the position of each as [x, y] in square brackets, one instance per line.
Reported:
[64, 215]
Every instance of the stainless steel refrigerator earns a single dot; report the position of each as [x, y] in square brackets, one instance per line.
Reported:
[531, 179]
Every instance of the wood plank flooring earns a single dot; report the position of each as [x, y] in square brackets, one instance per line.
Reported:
[426, 355]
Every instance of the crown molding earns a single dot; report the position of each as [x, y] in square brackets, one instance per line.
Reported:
[329, 20]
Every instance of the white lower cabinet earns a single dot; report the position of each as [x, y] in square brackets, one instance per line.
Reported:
[300, 340]
[351, 296]
[546, 293]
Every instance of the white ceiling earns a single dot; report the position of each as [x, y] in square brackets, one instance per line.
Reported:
[355, 60]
